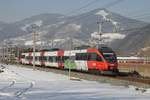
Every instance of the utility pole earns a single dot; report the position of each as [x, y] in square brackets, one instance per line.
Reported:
[18, 52]
[99, 23]
[34, 28]
[4, 52]
[52, 44]
[3, 55]
[70, 61]
[70, 57]
[34, 50]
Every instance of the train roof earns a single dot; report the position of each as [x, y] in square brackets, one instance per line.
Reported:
[52, 49]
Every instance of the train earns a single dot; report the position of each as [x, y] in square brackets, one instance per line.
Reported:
[93, 60]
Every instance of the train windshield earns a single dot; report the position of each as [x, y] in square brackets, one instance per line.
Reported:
[108, 54]
[110, 57]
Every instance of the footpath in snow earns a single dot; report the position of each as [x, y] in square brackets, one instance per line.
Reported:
[19, 83]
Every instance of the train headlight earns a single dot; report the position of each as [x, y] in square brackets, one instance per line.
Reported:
[94, 64]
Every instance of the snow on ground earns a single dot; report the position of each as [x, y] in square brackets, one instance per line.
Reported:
[18, 83]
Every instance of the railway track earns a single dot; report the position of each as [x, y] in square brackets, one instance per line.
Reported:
[131, 78]
[135, 79]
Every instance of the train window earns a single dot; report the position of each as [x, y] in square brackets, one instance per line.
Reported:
[62, 58]
[77, 56]
[36, 58]
[54, 59]
[50, 59]
[72, 58]
[110, 57]
[59, 58]
[94, 57]
[40, 58]
[27, 57]
[65, 58]
[81, 56]
[22, 56]
[44, 58]
[85, 56]
[98, 58]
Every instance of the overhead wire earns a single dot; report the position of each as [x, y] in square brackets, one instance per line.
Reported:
[139, 14]
[108, 5]
[88, 15]
[82, 7]
[111, 4]
[136, 13]
[142, 16]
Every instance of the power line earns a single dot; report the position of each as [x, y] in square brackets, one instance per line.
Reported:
[135, 13]
[129, 29]
[88, 15]
[148, 16]
[143, 17]
[141, 14]
[78, 9]
[109, 5]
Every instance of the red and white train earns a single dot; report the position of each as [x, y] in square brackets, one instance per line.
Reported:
[92, 59]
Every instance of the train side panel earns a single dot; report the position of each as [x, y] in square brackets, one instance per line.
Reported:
[73, 62]
[51, 59]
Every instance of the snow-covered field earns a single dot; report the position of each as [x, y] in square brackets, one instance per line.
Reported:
[18, 83]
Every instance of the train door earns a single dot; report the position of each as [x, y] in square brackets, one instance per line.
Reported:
[60, 55]
[26, 58]
[22, 58]
[81, 61]
[30, 58]
[43, 60]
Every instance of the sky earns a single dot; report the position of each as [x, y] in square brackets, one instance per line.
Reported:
[15, 10]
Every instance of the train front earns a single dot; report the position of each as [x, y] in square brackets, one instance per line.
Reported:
[110, 57]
